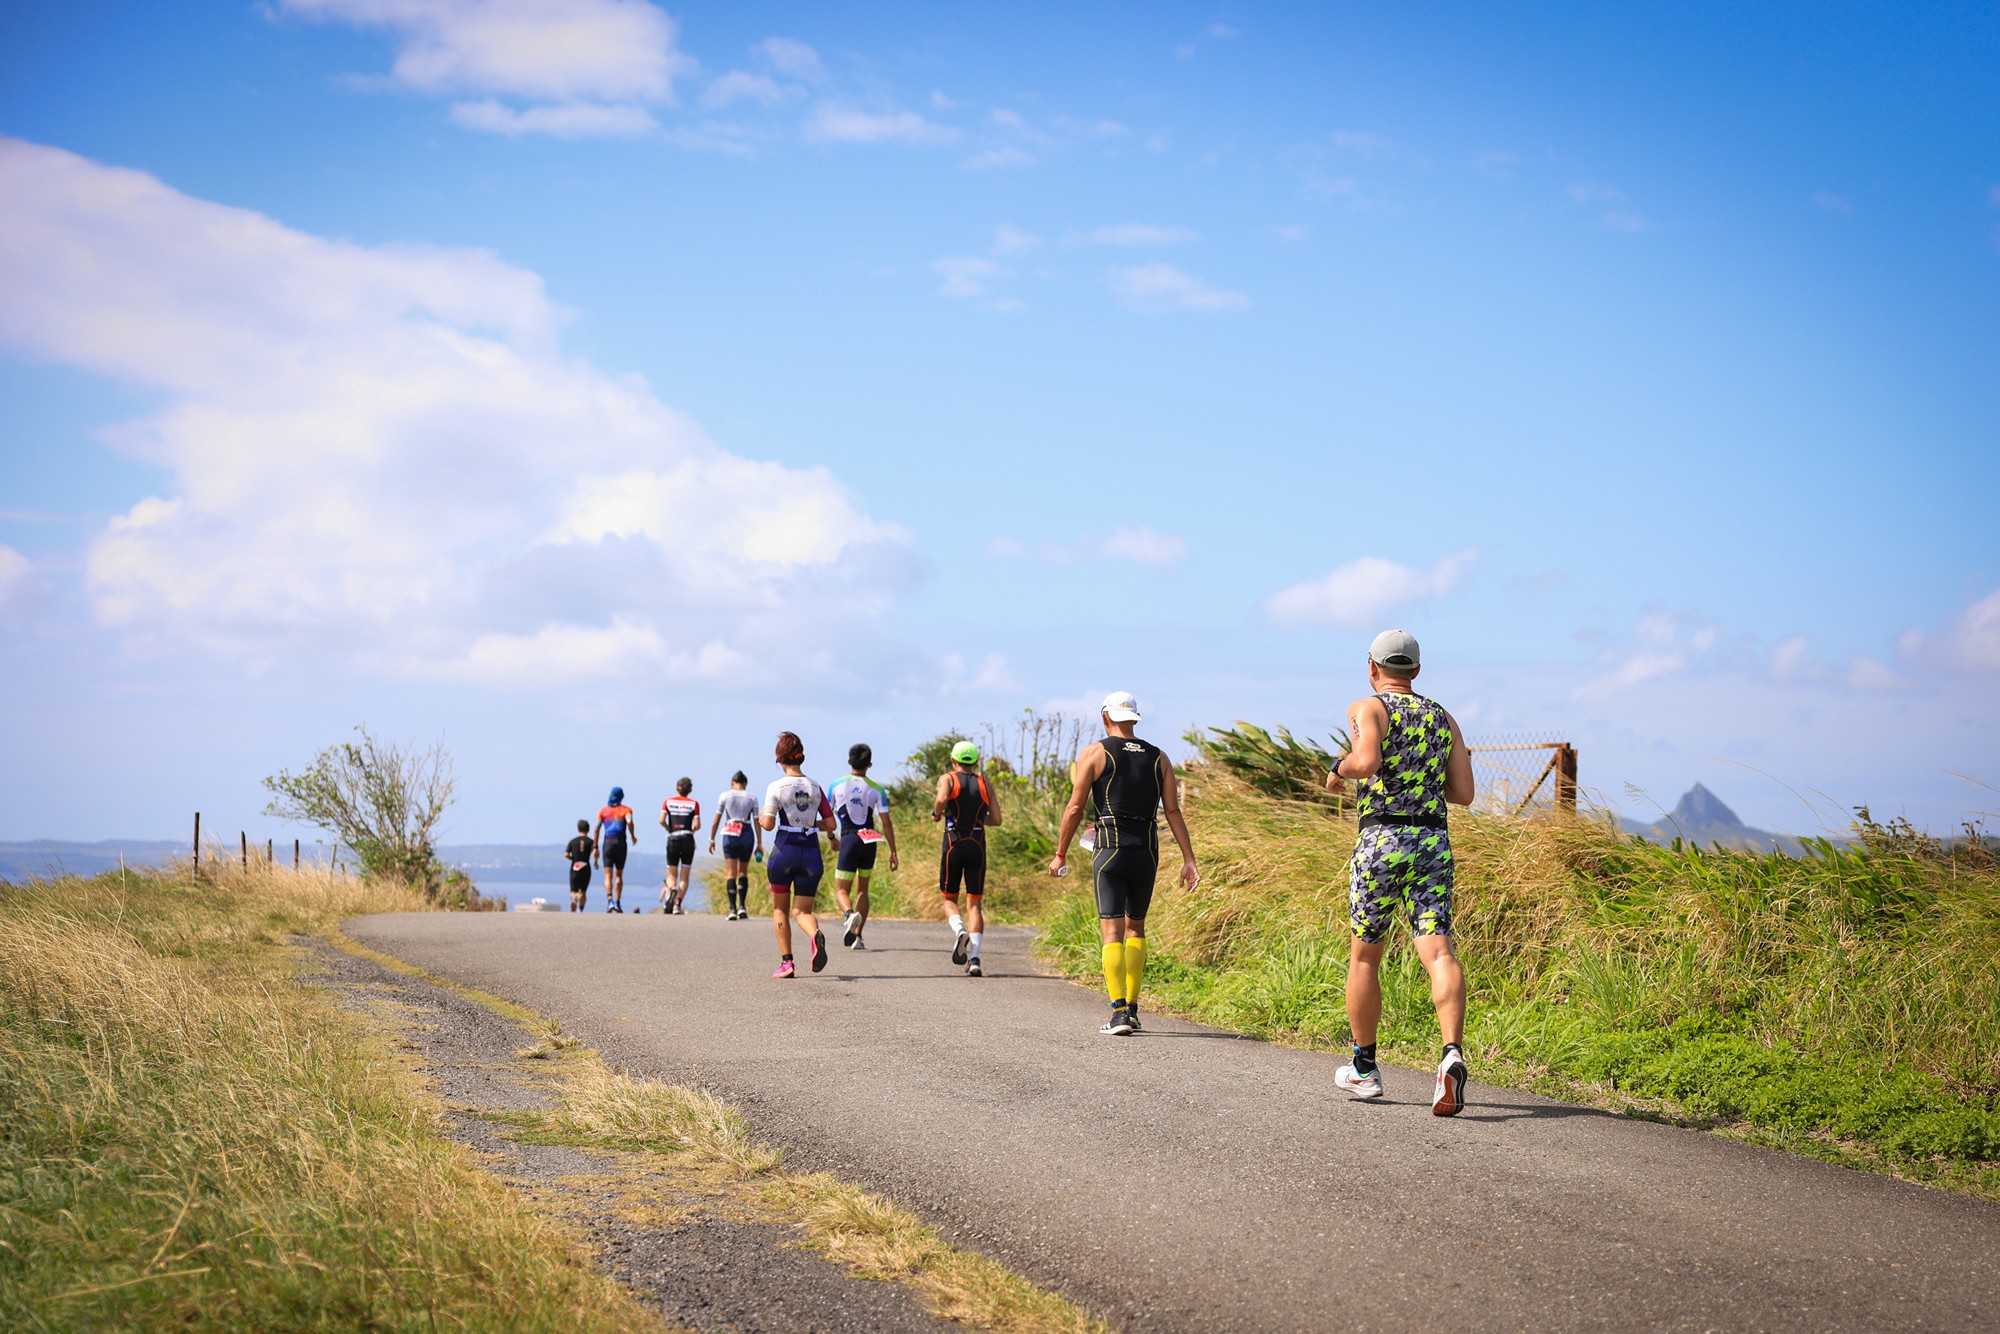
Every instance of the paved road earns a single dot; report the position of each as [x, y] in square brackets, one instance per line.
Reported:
[1189, 1179]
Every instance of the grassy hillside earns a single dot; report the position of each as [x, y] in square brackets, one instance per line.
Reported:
[1844, 1004]
[188, 1137]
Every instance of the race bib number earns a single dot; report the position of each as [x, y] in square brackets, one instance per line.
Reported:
[869, 835]
[734, 829]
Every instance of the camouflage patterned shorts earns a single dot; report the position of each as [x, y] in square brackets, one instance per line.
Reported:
[1400, 867]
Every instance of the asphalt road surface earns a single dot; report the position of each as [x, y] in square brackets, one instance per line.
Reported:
[1190, 1179]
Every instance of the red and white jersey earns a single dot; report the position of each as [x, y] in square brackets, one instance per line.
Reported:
[683, 814]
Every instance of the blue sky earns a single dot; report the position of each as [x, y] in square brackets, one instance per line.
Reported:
[604, 386]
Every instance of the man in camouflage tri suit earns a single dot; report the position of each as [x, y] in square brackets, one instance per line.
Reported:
[1407, 760]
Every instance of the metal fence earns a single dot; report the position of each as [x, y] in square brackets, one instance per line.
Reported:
[1523, 772]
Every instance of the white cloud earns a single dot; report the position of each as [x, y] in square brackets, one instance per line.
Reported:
[1975, 637]
[379, 456]
[1222, 32]
[967, 276]
[1865, 673]
[991, 677]
[13, 575]
[1832, 202]
[1790, 660]
[834, 123]
[1140, 545]
[1136, 234]
[1662, 645]
[1157, 289]
[1296, 231]
[998, 157]
[1144, 546]
[1011, 240]
[567, 120]
[1358, 593]
[1006, 118]
[741, 86]
[790, 57]
[546, 50]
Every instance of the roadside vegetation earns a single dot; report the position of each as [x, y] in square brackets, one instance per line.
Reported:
[190, 1137]
[1844, 1004]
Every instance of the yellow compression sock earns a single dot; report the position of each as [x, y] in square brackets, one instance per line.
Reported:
[1114, 969]
[1135, 967]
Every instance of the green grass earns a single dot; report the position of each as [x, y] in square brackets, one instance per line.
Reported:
[189, 1137]
[1845, 1004]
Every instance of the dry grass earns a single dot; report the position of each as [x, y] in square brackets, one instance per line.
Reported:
[685, 1142]
[192, 1138]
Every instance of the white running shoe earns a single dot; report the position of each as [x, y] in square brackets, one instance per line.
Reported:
[962, 949]
[852, 933]
[1448, 1099]
[1360, 1085]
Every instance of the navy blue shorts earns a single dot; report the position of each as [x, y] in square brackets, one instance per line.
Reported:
[794, 865]
[855, 855]
[739, 848]
[612, 853]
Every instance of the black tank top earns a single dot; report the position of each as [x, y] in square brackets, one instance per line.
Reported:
[965, 807]
[1127, 794]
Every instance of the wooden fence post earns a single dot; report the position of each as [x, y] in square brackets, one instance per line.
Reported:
[197, 845]
[270, 853]
[1566, 779]
[295, 856]
[246, 848]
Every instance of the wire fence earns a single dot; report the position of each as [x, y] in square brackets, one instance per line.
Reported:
[1522, 773]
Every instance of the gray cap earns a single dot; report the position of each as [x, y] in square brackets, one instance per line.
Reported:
[1397, 649]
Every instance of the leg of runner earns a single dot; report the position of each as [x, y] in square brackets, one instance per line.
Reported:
[861, 879]
[1448, 998]
[1112, 929]
[781, 925]
[802, 908]
[1360, 1076]
[975, 928]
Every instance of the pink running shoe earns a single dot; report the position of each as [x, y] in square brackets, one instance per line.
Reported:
[784, 969]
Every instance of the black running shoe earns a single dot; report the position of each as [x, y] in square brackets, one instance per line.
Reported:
[1132, 1013]
[1120, 1025]
[819, 950]
[852, 934]
[972, 968]
[963, 948]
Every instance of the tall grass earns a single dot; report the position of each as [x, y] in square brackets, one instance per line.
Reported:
[1847, 997]
[189, 1136]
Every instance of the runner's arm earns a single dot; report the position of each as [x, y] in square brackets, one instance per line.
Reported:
[889, 833]
[1367, 723]
[595, 834]
[937, 803]
[1170, 799]
[1458, 768]
[714, 825]
[1082, 774]
[992, 807]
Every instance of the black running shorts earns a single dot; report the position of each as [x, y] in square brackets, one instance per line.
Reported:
[680, 848]
[855, 855]
[612, 853]
[1125, 872]
[962, 864]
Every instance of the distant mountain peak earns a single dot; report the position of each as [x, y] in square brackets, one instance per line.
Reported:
[1701, 808]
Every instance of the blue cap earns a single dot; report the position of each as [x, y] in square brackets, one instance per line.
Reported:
[617, 795]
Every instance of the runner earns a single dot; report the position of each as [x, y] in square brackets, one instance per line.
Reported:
[614, 826]
[1129, 781]
[797, 812]
[965, 803]
[856, 800]
[1407, 760]
[736, 818]
[680, 816]
[579, 853]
